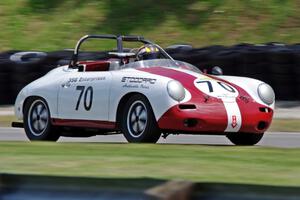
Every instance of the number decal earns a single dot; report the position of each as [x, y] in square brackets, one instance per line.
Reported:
[216, 88]
[226, 87]
[223, 85]
[81, 88]
[88, 97]
[89, 91]
[208, 84]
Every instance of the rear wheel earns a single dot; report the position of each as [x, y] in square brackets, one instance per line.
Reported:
[245, 138]
[37, 121]
[139, 123]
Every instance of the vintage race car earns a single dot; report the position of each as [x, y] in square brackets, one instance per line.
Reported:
[142, 99]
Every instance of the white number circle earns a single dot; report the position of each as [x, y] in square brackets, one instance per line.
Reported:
[216, 88]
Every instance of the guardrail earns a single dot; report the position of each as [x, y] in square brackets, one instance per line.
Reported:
[276, 64]
[52, 187]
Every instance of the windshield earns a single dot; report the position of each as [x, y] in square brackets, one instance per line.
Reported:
[161, 63]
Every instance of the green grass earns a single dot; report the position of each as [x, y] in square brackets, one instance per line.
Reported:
[57, 24]
[6, 120]
[253, 165]
[285, 125]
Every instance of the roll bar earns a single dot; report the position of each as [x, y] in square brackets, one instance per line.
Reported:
[119, 38]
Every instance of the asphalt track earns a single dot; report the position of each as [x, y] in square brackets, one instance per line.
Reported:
[270, 139]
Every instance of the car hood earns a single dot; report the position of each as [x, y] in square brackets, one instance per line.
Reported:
[197, 83]
[225, 88]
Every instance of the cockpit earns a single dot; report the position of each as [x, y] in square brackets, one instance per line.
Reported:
[148, 55]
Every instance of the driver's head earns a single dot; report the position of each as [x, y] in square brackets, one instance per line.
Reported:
[148, 52]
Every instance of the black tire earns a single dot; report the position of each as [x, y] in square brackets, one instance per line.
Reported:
[39, 128]
[28, 57]
[247, 139]
[139, 124]
[281, 55]
[252, 55]
[6, 98]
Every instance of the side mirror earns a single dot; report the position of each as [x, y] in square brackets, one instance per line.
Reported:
[217, 71]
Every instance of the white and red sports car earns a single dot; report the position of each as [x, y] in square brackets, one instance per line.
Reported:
[143, 99]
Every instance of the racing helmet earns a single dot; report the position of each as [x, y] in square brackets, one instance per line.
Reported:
[148, 52]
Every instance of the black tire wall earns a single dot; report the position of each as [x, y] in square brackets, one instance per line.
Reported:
[275, 63]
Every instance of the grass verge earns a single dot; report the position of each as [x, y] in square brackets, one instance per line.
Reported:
[285, 125]
[6, 120]
[253, 165]
[58, 24]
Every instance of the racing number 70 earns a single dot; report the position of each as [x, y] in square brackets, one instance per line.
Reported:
[223, 85]
[88, 92]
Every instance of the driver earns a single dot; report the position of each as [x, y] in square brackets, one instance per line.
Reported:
[148, 52]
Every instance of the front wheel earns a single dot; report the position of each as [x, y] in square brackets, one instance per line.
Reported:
[37, 122]
[138, 122]
[245, 138]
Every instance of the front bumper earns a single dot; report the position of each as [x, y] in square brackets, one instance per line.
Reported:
[212, 119]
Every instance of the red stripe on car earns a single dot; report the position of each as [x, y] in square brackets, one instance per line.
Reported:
[210, 112]
[84, 123]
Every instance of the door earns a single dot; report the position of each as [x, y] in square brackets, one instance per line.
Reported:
[85, 96]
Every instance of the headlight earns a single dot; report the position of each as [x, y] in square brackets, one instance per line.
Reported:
[266, 93]
[176, 90]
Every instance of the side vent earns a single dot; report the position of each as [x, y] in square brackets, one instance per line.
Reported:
[265, 109]
[187, 106]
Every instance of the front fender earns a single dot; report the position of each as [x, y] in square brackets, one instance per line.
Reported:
[250, 85]
[18, 108]
[156, 93]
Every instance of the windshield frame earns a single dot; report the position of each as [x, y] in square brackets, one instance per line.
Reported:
[168, 63]
[120, 39]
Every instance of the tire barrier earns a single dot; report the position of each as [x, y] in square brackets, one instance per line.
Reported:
[27, 57]
[275, 63]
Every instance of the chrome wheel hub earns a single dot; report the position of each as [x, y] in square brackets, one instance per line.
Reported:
[38, 118]
[137, 119]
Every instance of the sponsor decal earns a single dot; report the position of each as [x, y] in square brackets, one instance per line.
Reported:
[137, 82]
[91, 79]
[82, 80]
[130, 85]
[234, 122]
[244, 99]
